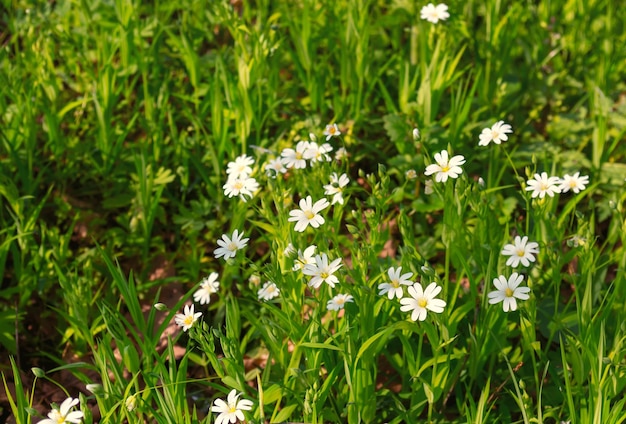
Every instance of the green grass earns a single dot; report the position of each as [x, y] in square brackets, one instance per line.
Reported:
[118, 120]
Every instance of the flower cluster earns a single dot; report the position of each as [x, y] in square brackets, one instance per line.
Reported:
[542, 184]
[239, 182]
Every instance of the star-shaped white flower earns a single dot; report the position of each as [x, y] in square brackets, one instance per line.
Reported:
[63, 415]
[208, 286]
[331, 131]
[422, 301]
[445, 167]
[520, 251]
[231, 410]
[268, 292]
[433, 13]
[322, 271]
[541, 185]
[397, 280]
[339, 301]
[336, 186]
[240, 167]
[308, 214]
[497, 133]
[575, 182]
[229, 246]
[507, 291]
[187, 318]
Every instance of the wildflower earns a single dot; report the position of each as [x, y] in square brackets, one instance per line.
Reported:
[394, 288]
[410, 174]
[241, 186]
[497, 133]
[254, 280]
[295, 158]
[331, 131]
[422, 301]
[445, 168]
[131, 402]
[289, 250]
[322, 271]
[316, 153]
[305, 258]
[507, 291]
[335, 188]
[229, 246]
[542, 184]
[341, 154]
[339, 301]
[520, 251]
[429, 187]
[208, 286]
[308, 214]
[433, 13]
[240, 168]
[268, 292]
[275, 165]
[63, 415]
[576, 241]
[231, 410]
[416, 134]
[187, 318]
[575, 182]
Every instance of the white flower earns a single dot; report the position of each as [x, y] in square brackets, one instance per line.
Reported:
[187, 318]
[520, 251]
[542, 184]
[497, 133]
[316, 152]
[240, 168]
[339, 301]
[268, 292]
[208, 286]
[276, 166]
[433, 13]
[63, 414]
[411, 174]
[422, 301]
[241, 186]
[229, 247]
[575, 182]
[231, 410]
[331, 131]
[305, 258]
[335, 188]
[295, 158]
[507, 291]
[131, 402]
[289, 250]
[416, 134]
[341, 154]
[322, 271]
[445, 168]
[308, 214]
[254, 280]
[394, 288]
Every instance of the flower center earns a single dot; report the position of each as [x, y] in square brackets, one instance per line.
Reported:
[238, 185]
[232, 246]
[495, 134]
[543, 186]
[309, 215]
[188, 320]
[324, 275]
[298, 155]
[572, 184]
[508, 292]
[340, 301]
[521, 253]
[395, 283]
[422, 302]
[445, 168]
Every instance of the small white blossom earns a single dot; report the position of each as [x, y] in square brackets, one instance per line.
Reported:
[231, 410]
[341, 154]
[305, 258]
[187, 318]
[331, 131]
[295, 158]
[541, 185]
[269, 291]
[308, 214]
[240, 167]
[339, 301]
[275, 167]
[241, 186]
[421, 301]
[507, 291]
[497, 133]
[521, 251]
[63, 415]
[397, 280]
[322, 271]
[336, 186]
[429, 187]
[433, 13]
[229, 246]
[575, 182]
[208, 286]
[318, 153]
[416, 134]
[445, 167]
[411, 174]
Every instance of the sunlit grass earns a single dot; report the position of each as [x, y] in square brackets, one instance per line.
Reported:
[119, 120]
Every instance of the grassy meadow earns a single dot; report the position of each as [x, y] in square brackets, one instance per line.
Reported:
[430, 213]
